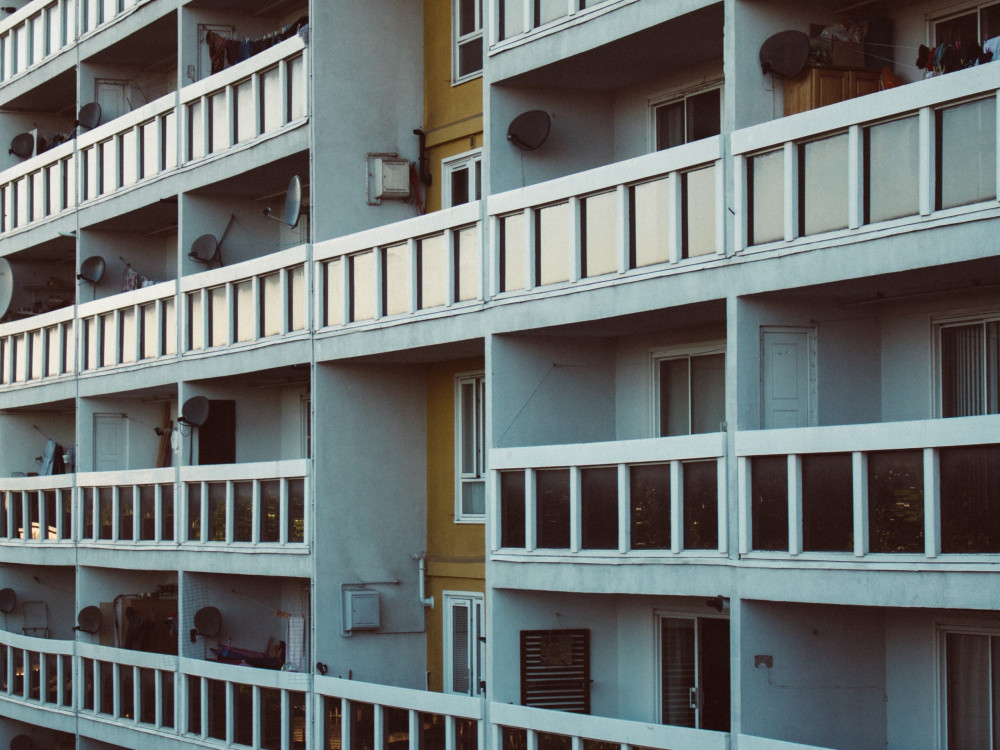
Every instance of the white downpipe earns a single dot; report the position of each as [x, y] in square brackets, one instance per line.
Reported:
[427, 601]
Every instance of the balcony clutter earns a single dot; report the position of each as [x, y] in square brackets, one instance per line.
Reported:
[224, 51]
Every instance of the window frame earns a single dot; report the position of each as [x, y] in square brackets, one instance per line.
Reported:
[478, 381]
[474, 601]
[662, 354]
[459, 40]
[472, 161]
[943, 630]
[938, 325]
[933, 19]
[682, 95]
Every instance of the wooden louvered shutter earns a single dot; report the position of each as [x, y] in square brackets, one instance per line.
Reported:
[555, 669]
[460, 672]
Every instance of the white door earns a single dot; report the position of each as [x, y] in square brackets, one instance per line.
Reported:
[787, 381]
[110, 442]
[463, 643]
[111, 96]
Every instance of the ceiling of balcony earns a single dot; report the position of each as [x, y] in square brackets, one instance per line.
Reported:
[268, 8]
[690, 40]
[56, 95]
[153, 44]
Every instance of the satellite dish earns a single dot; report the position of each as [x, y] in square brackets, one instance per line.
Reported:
[529, 129]
[90, 115]
[208, 250]
[208, 622]
[6, 286]
[22, 145]
[195, 411]
[8, 600]
[21, 742]
[784, 54]
[293, 203]
[92, 269]
[89, 620]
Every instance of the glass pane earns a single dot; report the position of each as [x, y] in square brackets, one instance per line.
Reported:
[105, 504]
[150, 331]
[270, 511]
[217, 512]
[243, 315]
[297, 88]
[243, 719]
[649, 223]
[243, 101]
[270, 719]
[194, 512]
[216, 709]
[552, 503]
[147, 512]
[167, 698]
[703, 115]
[296, 511]
[699, 212]
[599, 508]
[473, 497]
[708, 393]
[196, 322]
[432, 254]
[362, 726]
[470, 57]
[126, 498]
[649, 506]
[396, 280]
[512, 249]
[129, 151]
[967, 137]
[678, 675]
[218, 319]
[270, 95]
[701, 505]
[549, 10]
[552, 245]
[270, 304]
[600, 231]
[970, 499]
[218, 123]
[149, 145]
[670, 125]
[297, 298]
[674, 397]
[167, 510]
[892, 178]
[823, 185]
[967, 661]
[467, 264]
[896, 501]
[469, 421]
[827, 503]
[108, 349]
[168, 327]
[766, 197]
[297, 722]
[242, 511]
[962, 368]
[362, 286]
[512, 509]
[333, 309]
[511, 18]
[769, 502]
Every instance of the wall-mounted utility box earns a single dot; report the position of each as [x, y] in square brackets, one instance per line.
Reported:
[361, 610]
[392, 178]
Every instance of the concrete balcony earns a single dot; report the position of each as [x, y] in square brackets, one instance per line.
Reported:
[40, 347]
[36, 32]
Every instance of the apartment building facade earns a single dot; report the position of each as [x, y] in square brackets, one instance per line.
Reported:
[479, 374]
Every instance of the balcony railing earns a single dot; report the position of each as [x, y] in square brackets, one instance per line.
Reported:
[926, 150]
[225, 111]
[128, 328]
[256, 97]
[35, 33]
[655, 210]
[127, 506]
[899, 491]
[246, 302]
[39, 347]
[430, 263]
[36, 671]
[259, 505]
[662, 496]
[36, 509]
[95, 13]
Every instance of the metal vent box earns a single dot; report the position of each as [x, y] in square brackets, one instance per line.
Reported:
[392, 178]
[361, 610]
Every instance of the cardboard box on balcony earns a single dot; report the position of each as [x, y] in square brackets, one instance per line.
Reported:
[838, 54]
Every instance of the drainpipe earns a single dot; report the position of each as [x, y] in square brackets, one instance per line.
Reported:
[421, 558]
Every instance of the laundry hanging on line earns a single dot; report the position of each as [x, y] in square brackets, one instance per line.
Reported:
[223, 51]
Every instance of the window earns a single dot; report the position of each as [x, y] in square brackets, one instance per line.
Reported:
[518, 16]
[687, 119]
[971, 700]
[463, 643]
[467, 37]
[470, 453]
[969, 359]
[694, 672]
[690, 391]
[976, 24]
[463, 178]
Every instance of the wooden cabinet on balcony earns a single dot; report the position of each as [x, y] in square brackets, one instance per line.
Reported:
[819, 86]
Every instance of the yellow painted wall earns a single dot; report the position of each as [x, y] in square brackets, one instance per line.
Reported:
[453, 115]
[455, 551]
